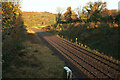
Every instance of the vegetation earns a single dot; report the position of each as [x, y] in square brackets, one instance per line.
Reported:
[10, 33]
[23, 55]
[67, 15]
[35, 61]
[103, 39]
[13, 33]
[96, 27]
[94, 10]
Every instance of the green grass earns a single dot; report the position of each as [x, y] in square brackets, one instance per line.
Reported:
[40, 26]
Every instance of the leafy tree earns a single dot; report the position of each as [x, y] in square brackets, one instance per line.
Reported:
[94, 10]
[74, 15]
[105, 12]
[9, 13]
[67, 15]
[83, 15]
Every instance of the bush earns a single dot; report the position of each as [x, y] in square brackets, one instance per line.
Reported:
[104, 38]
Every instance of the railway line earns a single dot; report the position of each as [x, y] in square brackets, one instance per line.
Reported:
[91, 64]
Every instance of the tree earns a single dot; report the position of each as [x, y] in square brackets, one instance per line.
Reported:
[60, 11]
[105, 12]
[83, 15]
[94, 10]
[58, 18]
[74, 15]
[117, 19]
[78, 11]
[9, 13]
[67, 15]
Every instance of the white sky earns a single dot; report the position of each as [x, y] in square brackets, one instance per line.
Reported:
[51, 5]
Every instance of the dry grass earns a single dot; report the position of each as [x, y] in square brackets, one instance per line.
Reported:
[35, 61]
[30, 31]
[32, 19]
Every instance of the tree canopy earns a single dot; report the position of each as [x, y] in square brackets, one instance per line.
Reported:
[67, 15]
[94, 10]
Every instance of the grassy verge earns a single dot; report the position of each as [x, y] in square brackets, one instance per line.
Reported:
[40, 26]
[35, 61]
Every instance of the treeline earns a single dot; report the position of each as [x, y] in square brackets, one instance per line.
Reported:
[92, 12]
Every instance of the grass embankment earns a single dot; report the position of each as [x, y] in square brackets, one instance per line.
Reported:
[103, 38]
[35, 61]
[32, 19]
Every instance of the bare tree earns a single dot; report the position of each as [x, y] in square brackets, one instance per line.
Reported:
[59, 11]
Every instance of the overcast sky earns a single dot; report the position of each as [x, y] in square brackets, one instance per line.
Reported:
[51, 5]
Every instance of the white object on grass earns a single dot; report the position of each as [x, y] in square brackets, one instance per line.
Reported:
[69, 72]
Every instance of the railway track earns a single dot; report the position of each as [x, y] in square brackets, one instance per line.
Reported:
[91, 64]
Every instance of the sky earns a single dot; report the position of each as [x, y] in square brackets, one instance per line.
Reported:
[52, 5]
